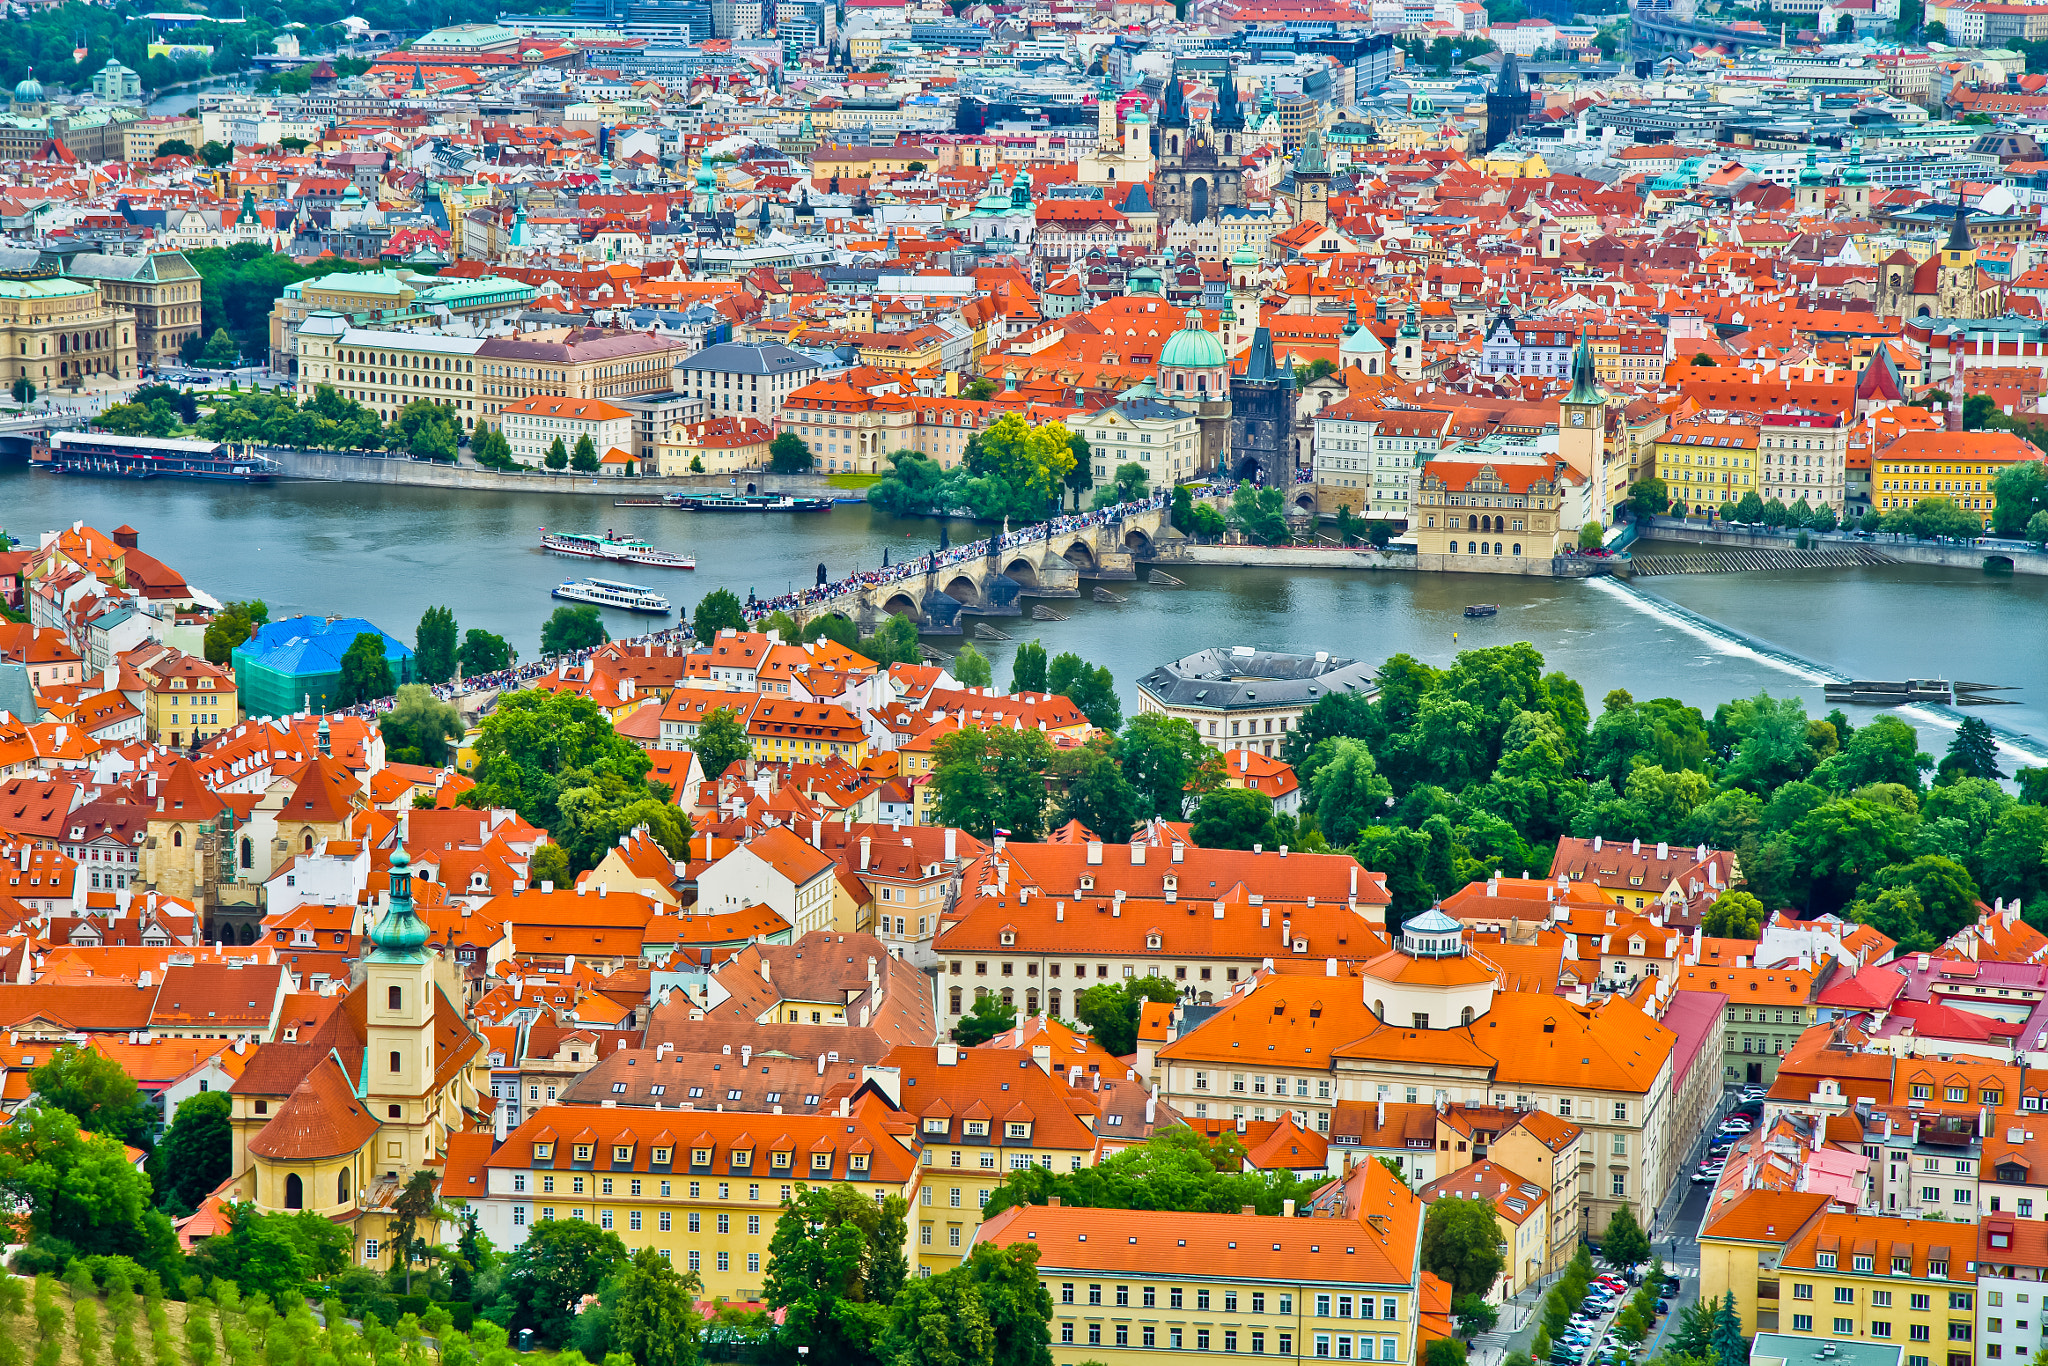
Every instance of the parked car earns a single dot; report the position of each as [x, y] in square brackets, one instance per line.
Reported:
[1663, 1307]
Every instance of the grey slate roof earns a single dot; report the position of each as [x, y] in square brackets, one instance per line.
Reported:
[738, 358]
[1245, 678]
[17, 698]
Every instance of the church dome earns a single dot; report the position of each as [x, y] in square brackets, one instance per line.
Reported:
[1194, 347]
[1244, 256]
[30, 91]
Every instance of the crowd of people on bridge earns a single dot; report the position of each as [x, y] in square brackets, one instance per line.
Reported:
[932, 561]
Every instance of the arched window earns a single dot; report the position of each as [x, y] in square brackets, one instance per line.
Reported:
[248, 852]
[1379, 1010]
[1454, 547]
[1471, 524]
[341, 1187]
[1465, 1015]
[956, 1001]
[396, 1065]
[1496, 547]
[1180, 381]
[309, 841]
[177, 839]
[397, 998]
[1518, 547]
[1009, 997]
[294, 1192]
[1482, 547]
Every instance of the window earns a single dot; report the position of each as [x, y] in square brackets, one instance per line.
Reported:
[1845, 1328]
[1802, 1323]
[1844, 1295]
[1801, 1292]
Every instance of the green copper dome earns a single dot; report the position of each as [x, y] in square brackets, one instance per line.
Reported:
[1244, 256]
[1194, 347]
[30, 91]
[400, 936]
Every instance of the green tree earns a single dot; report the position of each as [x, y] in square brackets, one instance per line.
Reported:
[1461, 1242]
[1935, 519]
[1235, 818]
[24, 390]
[220, 349]
[418, 728]
[1112, 1010]
[551, 1271]
[1127, 486]
[413, 1205]
[80, 1187]
[1260, 513]
[2021, 492]
[434, 646]
[1943, 892]
[234, 623]
[721, 742]
[174, 147]
[991, 780]
[914, 487]
[1350, 528]
[427, 430]
[569, 629]
[550, 863]
[894, 642]
[1018, 1306]
[1591, 536]
[1734, 915]
[555, 758]
[97, 1091]
[365, 672]
[489, 448]
[788, 453]
[988, 1017]
[938, 1321]
[1649, 497]
[1176, 1169]
[1474, 1315]
[191, 1159]
[484, 653]
[1973, 753]
[1348, 791]
[835, 1264]
[1164, 759]
[1028, 668]
[979, 389]
[972, 668]
[1886, 750]
[1092, 789]
[1624, 1244]
[719, 611]
[1089, 687]
[1730, 1343]
[583, 458]
[653, 1308]
[557, 457]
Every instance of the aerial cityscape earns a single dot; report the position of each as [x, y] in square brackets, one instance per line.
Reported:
[1042, 684]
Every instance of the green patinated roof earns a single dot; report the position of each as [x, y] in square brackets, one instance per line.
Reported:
[43, 289]
[450, 291]
[351, 282]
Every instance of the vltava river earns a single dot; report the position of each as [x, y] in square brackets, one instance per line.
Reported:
[389, 553]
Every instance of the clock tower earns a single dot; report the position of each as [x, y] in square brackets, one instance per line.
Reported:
[1582, 423]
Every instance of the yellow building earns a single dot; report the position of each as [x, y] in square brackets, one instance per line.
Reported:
[703, 1188]
[187, 701]
[981, 1113]
[1488, 516]
[57, 332]
[1510, 165]
[1907, 1283]
[1145, 1287]
[1958, 465]
[1705, 464]
[337, 1123]
[805, 732]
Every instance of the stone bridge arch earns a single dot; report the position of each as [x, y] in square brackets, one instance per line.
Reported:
[1079, 554]
[1137, 541]
[1023, 570]
[902, 602]
[963, 589]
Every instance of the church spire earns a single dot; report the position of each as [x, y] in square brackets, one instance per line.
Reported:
[401, 936]
[1585, 384]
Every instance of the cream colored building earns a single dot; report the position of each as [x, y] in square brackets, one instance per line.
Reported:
[59, 333]
[532, 425]
[385, 370]
[140, 140]
[161, 290]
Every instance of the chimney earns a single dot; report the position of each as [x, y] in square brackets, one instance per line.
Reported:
[865, 845]
[1094, 852]
[1042, 1055]
[1329, 967]
[764, 969]
[1636, 847]
[952, 844]
[1663, 849]
[1286, 1209]
[1596, 844]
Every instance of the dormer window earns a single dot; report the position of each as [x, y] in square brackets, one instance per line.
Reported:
[660, 1156]
[936, 1125]
[1008, 938]
[622, 1153]
[743, 1159]
[700, 1157]
[857, 1163]
[542, 1152]
[1151, 941]
[779, 1161]
[1824, 1260]
[976, 1128]
[821, 1162]
[1018, 1130]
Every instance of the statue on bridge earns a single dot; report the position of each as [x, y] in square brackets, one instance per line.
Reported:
[821, 567]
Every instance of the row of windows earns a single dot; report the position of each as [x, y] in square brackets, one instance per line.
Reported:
[1879, 1328]
[1177, 1340]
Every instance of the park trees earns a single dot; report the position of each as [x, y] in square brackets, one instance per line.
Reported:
[1092, 789]
[1735, 914]
[96, 1091]
[419, 727]
[1235, 818]
[2021, 491]
[835, 1263]
[1092, 688]
[482, 653]
[1165, 761]
[583, 457]
[972, 668]
[1624, 1244]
